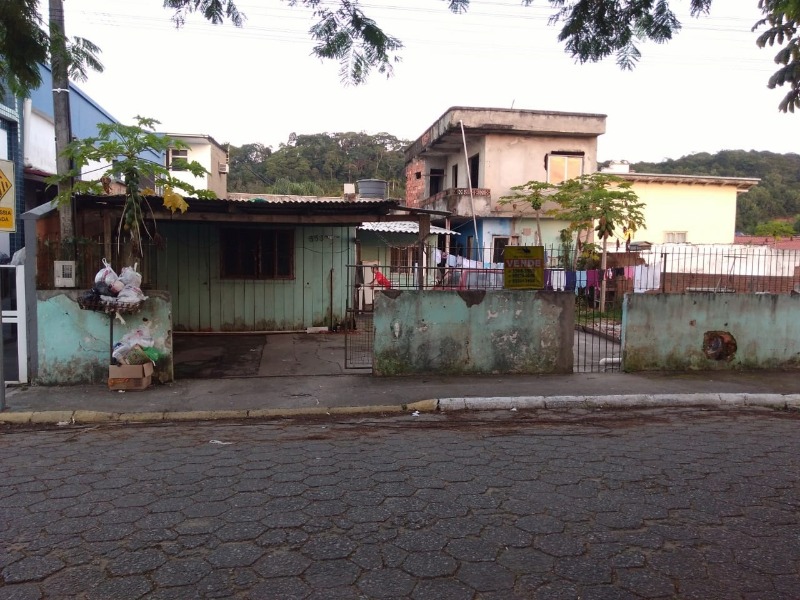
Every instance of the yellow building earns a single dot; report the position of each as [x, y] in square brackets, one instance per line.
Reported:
[693, 209]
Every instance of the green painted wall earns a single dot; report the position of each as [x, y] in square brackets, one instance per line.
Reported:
[667, 331]
[473, 332]
[189, 268]
[74, 344]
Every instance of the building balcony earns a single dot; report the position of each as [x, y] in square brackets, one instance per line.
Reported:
[457, 201]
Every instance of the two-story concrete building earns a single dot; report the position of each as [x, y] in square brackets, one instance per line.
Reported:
[206, 151]
[471, 157]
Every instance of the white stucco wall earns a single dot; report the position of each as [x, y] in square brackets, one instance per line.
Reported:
[40, 149]
[209, 156]
[514, 159]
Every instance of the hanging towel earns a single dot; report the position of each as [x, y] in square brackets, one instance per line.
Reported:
[559, 280]
[592, 278]
[570, 280]
[629, 272]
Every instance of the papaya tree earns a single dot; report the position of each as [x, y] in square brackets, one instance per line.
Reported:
[603, 201]
[534, 193]
[122, 151]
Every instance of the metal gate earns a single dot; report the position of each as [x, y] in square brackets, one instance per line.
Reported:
[598, 330]
[359, 333]
[14, 329]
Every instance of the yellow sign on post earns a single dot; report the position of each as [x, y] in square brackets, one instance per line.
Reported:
[8, 218]
[523, 267]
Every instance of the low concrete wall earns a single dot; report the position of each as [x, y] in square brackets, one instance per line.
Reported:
[708, 331]
[73, 344]
[473, 332]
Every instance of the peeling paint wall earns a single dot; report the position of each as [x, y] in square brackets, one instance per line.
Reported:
[473, 332]
[74, 343]
[707, 331]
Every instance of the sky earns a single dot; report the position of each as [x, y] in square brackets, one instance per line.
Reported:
[704, 91]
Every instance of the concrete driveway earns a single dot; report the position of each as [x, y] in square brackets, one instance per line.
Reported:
[217, 356]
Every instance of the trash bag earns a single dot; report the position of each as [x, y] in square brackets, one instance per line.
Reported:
[106, 274]
[130, 277]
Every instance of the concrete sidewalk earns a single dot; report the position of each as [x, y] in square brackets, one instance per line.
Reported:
[263, 397]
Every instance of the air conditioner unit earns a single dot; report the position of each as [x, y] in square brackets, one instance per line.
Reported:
[64, 273]
[223, 167]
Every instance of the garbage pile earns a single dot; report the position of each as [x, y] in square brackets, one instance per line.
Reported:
[135, 348]
[114, 291]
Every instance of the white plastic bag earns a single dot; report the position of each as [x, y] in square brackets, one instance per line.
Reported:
[106, 274]
[130, 277]
[140, 336]
[131, 294]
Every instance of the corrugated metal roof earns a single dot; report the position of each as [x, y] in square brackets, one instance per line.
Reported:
[403, 227]
[286, 199]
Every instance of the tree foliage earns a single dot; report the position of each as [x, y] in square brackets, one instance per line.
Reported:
[119, 149]
[319, 163]
[775, 229]
[25, 44]
[777, 196]
[591, 30]
[601, 201]
[535, 194]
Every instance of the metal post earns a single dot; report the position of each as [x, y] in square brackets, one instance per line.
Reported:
[424, 232]
[2, 356]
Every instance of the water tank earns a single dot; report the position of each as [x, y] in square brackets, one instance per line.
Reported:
[371, 188]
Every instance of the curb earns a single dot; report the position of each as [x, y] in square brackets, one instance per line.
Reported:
[84, 417]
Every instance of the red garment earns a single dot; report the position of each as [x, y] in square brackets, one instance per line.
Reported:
[381, 280]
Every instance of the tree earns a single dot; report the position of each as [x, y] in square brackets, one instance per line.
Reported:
[775, 229]
[591, 30]
[603, 201]
[535, 193]
[26, 42]
[122, 147]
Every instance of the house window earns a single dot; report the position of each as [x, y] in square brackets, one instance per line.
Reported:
[257, 253]
[674, 237]
[499, 243]
[474, 164]
[454, 175]
[436, 181]
[404, 259]
[561, 167]
[180, 155]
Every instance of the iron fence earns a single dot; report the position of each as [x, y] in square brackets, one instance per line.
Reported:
[671, 268]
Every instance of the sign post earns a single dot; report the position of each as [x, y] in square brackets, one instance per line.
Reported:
[523, 267]
[8, 217]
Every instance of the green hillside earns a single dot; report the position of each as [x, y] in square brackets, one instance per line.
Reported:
[318, 164]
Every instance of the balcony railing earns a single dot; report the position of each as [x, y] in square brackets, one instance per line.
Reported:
[452, 195]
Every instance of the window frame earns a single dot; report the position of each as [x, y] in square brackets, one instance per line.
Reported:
[181, 153]
[235, 240]
[402, 259]
[567, 157]
[510, 240]
[683, 234]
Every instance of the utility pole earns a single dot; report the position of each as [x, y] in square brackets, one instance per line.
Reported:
[61, 112]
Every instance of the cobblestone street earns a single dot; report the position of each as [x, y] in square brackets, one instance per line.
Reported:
[668, 503]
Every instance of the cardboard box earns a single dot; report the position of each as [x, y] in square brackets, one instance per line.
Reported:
[130, 377]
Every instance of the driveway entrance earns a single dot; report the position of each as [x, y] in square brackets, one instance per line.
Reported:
[220, 355]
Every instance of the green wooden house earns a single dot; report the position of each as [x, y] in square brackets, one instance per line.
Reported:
[271, 263]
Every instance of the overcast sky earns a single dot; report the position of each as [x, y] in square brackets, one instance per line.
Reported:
[704, 91]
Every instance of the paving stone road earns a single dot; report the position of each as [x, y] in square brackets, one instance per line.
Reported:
[669, 503]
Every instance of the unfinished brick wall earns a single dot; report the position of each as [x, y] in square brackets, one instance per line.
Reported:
[676, 283]
[415, 186]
